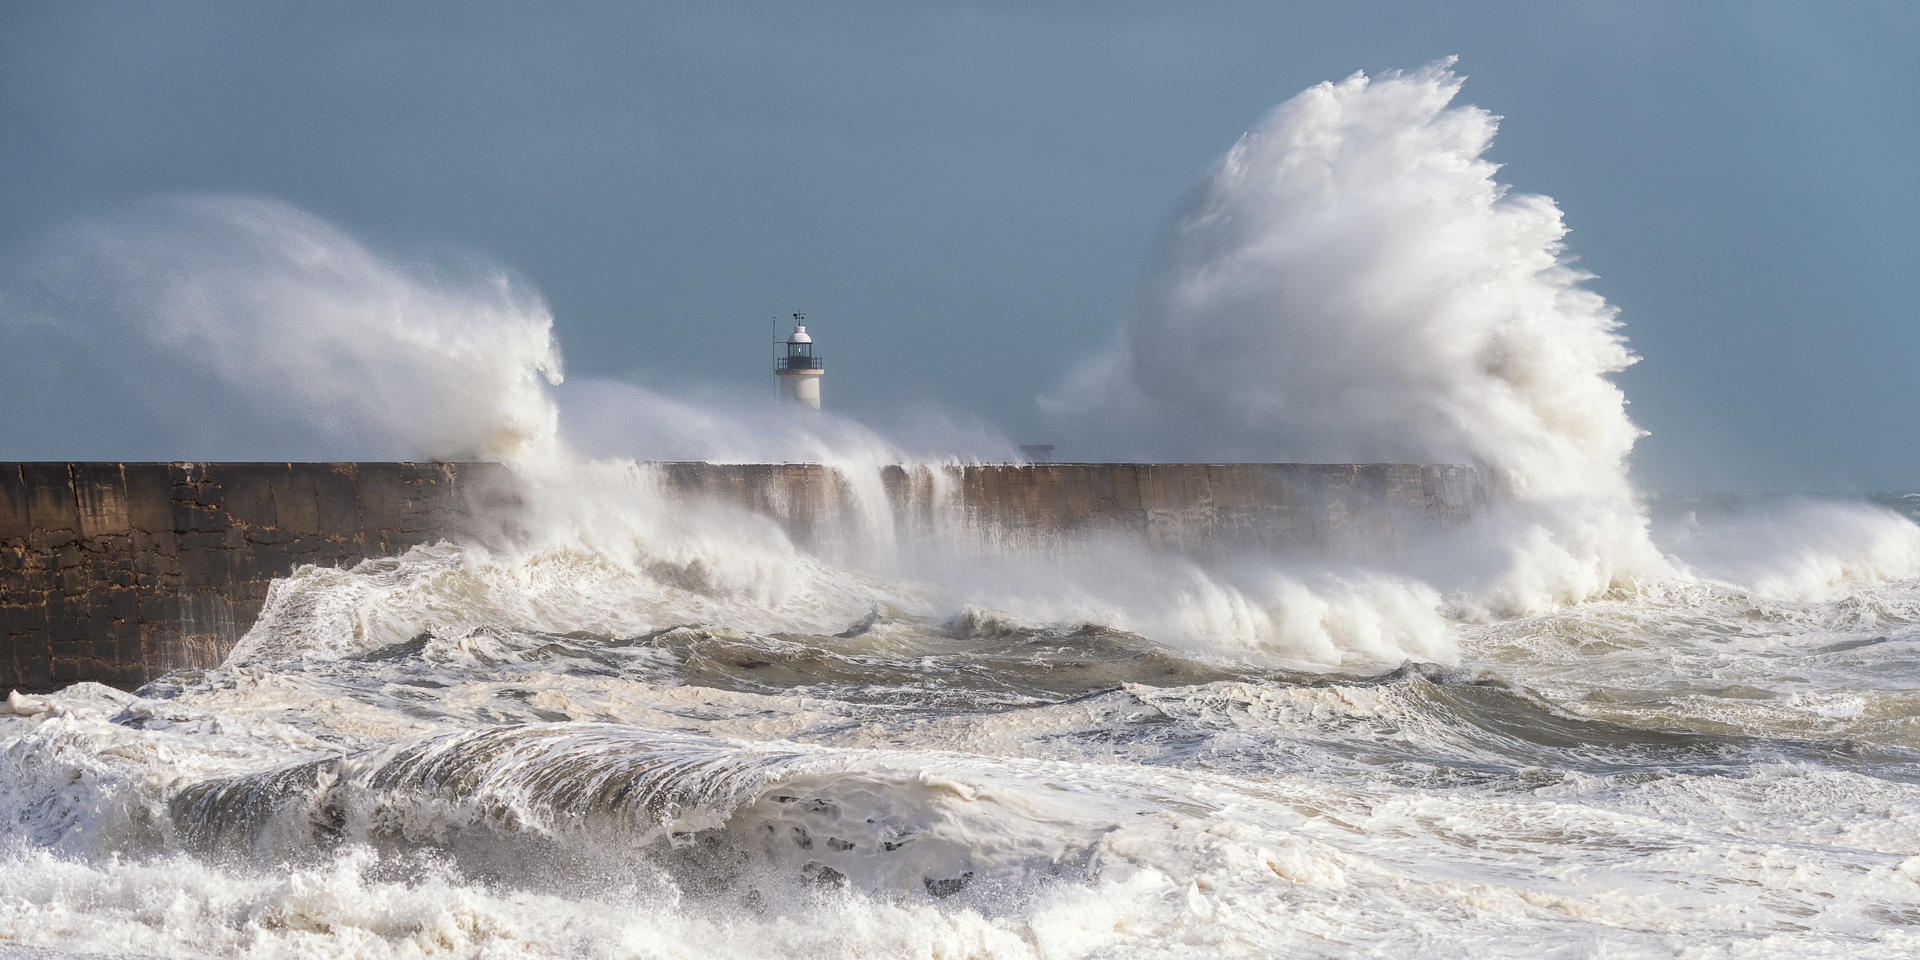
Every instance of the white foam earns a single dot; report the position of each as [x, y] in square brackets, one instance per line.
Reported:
[1801, 549]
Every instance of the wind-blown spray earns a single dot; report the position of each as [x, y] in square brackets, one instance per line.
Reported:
[1351, 283]
[245, 327]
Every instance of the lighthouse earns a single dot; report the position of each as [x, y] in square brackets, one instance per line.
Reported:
[798, 369]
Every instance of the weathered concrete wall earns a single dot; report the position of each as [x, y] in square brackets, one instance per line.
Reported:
[120, 572]
[1364, 510]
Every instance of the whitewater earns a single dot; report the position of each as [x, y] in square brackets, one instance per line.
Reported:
[1596, 723]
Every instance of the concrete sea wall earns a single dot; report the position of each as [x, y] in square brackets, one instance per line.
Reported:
[119, 572]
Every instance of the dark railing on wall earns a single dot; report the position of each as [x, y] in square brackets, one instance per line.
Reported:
[783, 364]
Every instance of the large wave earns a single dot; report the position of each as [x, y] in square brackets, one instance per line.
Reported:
[1351, 283]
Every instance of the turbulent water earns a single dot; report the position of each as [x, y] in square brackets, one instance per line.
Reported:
[570, 749]
[1590, 724]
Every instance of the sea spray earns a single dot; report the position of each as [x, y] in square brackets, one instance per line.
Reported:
[1798, 548]
[1351, 283]
[613, 548]
[605, 547]
[618, 419]
[247, 328]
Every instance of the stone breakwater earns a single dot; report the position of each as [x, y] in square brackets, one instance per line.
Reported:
[119, 572]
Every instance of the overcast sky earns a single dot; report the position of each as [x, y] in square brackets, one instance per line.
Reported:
[964, 197]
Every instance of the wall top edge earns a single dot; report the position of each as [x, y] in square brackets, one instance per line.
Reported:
[744, 463]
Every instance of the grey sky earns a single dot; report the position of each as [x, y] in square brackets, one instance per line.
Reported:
[964, 196]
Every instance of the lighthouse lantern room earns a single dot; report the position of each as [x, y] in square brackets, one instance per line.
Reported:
[797, 368]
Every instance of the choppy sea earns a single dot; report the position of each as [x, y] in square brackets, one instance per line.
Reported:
[663, 741]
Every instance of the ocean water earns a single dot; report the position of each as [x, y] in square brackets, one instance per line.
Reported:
[599, 745]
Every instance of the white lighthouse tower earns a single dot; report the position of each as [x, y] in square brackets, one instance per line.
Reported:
[798, 369]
